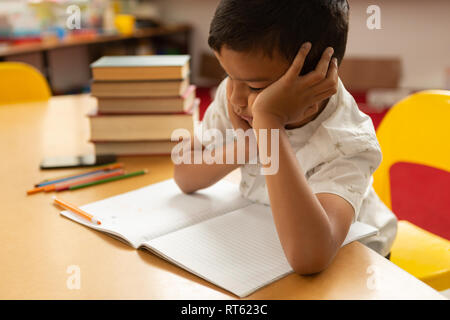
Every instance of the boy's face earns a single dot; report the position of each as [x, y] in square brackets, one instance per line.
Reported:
[249, 73]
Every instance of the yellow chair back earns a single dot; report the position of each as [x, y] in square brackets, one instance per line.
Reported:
[20, 82]
[416, 130]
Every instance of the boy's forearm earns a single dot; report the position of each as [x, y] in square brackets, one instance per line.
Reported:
[193, 177]
[302, 224]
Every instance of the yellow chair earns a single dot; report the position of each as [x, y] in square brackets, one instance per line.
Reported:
[20, 82]
[416, 130]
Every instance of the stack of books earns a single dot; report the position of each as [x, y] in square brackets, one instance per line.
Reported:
[141, 101]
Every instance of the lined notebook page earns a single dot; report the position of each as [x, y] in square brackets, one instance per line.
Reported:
[152, 211]
[239, 251]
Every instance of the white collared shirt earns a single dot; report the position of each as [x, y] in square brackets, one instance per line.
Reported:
[338, 152]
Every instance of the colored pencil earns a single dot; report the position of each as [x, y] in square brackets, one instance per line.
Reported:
[55, 186]
[93, 177]
[35, 190]
[52, 187]
[76, 210]
[109, 167]
[128, 175]
[104, 167]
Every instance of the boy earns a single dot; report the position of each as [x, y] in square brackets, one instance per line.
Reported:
[281, 58]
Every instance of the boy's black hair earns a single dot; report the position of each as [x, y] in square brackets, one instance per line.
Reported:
[244, 25]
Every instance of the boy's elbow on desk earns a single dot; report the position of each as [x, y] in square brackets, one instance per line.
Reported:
[185, 189]
[181, 181]
[190, 179]
[308, 265]
[310, 268]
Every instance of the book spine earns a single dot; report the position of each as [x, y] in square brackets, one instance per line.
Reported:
[142, 154]
[121, 141]
[100, 114]
[156, 114]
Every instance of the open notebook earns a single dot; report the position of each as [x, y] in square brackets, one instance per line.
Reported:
[215, 233]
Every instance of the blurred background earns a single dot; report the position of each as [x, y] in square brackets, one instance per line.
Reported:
[409, 52]
[61, 37]
[395, 48]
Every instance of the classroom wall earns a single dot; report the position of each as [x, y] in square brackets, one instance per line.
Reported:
[199, 14]
[416, 30]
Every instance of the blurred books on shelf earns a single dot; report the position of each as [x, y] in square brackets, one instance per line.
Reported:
[141, 101]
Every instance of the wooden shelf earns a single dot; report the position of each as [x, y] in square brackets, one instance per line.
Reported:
[73, 55]
[140, 33]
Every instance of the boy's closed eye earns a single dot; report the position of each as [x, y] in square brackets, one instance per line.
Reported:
[250, 87]
[255, 89]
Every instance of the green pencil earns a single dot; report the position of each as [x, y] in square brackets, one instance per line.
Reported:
[93, 183]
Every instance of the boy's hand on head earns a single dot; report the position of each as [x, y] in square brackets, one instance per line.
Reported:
[293, 98]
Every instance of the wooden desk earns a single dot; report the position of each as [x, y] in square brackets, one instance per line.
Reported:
[37, 245]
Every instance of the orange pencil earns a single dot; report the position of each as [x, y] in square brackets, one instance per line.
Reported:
[76, 210]
[35, 190]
